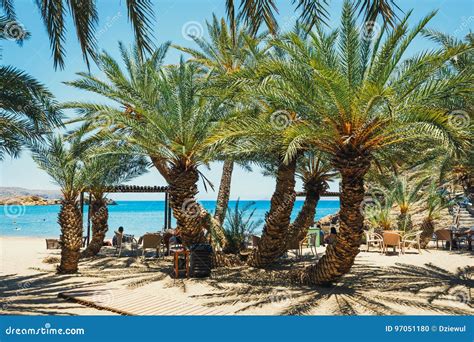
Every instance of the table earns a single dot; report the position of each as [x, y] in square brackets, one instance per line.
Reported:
[177, 254]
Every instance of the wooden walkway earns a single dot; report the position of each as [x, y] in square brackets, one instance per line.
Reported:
[131, 302]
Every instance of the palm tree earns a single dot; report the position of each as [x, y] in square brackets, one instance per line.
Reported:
[104, 171]
[315, 171]
[60, 160]
[251, 134]
[27, 110]
[239, 225]
[228, 50]
[255, 12]
[461, 107]
[360, 97]
[405, 196]
[85, 20]
[163, 115]
[435, 202]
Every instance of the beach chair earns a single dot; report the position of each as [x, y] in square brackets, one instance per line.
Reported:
[373, 239]
[313, 242]
[121, 244]
[296, 246]
[153, 241]
[412, 238]
[444, 235]
[392, 239]
[52, 244]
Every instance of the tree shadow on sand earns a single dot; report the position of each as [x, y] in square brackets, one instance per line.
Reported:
[38, 293]
[368, 289]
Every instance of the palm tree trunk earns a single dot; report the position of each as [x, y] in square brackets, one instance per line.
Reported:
[193, 221]
[70, 221]
[224, 192]
[299, 228]
[99, 218]
[427, 230]
[340, 256]
[277, 220]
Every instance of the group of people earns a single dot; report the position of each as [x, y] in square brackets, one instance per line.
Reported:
[170, 238]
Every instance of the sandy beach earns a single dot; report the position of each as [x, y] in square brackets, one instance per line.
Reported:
[435, 282]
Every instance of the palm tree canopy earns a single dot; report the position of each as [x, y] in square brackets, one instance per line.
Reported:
[357, 95]
[257, 12]
[85, 19]
[226, 51]
[27, 110]
[60, 159]
[161, 111]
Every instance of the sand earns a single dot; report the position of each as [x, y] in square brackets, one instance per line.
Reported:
[434, 282]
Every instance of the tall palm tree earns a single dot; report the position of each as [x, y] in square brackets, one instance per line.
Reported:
[85, 18]
[251, 134]
[315, 171]
[104, 171]
[27, 110]
[462, 109]
[256, 12]
[360, 97]
[161, 113]
[228, 50]
[60, 159]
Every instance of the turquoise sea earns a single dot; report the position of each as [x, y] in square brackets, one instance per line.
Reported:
[137, 217]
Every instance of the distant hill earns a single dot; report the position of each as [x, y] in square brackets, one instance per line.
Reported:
[9, 192]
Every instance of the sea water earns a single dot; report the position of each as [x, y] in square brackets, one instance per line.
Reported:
[137, 217]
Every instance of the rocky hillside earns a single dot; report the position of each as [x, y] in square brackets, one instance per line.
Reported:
[12, 192]
[28, 200]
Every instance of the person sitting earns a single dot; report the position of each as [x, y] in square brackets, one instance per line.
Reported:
[126, 238]
[114, 239]
[171, 238]
[331, 237]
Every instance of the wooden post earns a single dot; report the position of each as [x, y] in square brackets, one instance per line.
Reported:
[166, 212]
[89, 220]
[169, 213]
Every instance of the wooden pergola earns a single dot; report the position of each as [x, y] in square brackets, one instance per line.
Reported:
[326, 194]
[129, 189]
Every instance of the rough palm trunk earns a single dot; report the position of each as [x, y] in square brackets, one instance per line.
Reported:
[193, 221]
[224, 192]
[427, 230]
[340, 255]
[277, 220]
[299, 228]
[404, 222]
[70, 221]
[99, 218]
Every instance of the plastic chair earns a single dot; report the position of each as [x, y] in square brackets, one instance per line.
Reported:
[392, 239]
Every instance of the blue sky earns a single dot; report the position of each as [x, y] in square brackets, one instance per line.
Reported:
[455, 17]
